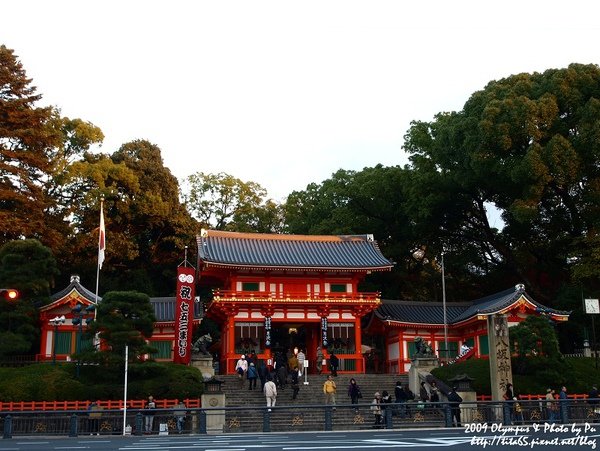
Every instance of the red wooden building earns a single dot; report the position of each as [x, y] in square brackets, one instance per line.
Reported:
[399, 322]
[60, 341]
[277, 292]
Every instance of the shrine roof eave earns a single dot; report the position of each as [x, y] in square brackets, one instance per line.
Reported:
[72, 296]
[407, 325]
[239, 266]
[293, 302]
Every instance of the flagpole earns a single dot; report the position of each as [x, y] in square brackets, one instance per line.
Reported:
[101, 244]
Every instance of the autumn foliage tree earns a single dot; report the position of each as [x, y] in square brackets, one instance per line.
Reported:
[36, 146]
[26, 141]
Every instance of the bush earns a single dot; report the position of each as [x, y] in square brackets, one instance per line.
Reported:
[536, 375]
[45, 382]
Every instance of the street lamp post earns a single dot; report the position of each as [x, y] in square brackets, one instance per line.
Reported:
[56, 321]
[79, 314]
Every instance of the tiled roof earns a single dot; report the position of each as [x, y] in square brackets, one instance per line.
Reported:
[419, 312]
[433, 312]
[75, 285]
[274, 251]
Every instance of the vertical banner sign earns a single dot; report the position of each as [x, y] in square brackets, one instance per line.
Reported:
[324, 330]
[267, 332]
[184, 314]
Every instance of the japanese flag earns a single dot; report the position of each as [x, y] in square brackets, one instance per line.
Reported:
[101, 238]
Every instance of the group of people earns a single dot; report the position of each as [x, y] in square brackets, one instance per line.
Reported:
[150, 411]
[378, 406]
[553, 407]
[284, 369]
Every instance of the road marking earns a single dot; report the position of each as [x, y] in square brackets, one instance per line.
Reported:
[71, 447]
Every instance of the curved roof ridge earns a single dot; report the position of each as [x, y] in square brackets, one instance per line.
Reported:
[75, 284]
[285, 237]
[280, 252]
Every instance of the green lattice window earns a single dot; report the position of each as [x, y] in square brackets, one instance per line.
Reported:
[452, 349]
[62, 343]
[338, 288]
[412, 349]
[87, 342]
[164, 349]
[484, 345]
[250, 286]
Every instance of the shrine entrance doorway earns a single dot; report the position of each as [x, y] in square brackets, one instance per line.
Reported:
[285, 337]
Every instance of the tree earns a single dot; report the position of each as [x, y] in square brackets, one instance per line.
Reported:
[528, 145]
[36, 145]
[124, 318]
[26, 139]
[30, 267]
[147, 226]
[535, 336]
[372, 201]
[224, 202]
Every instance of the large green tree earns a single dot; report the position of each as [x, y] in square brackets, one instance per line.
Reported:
[526, 146]
[124, 318]
[224, 202]
[147, 227]
[29, 267]
[372, 201]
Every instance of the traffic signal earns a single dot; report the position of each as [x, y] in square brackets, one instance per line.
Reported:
[9, 293]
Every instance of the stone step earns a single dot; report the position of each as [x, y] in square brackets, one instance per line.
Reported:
[308, 394]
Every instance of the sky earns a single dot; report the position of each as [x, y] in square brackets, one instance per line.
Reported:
[277, 92]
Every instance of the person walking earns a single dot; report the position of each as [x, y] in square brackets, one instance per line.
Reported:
[295, 383]
[149, 411]
[400, 399]
[301, 359]
[252, 376]
[263, 372]
[270, 391]
[180, 416]
[329, 388]
[454, 400]
[376, 410]
[562, 397]
[282, 373]
[518, 411]
[320, 360]
[94, 415]
[241, 368]
[385, 400]
[508, 398]
[333, 364]
[551, 407]
[354, 392]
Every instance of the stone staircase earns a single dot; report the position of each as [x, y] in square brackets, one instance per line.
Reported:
[306, 412]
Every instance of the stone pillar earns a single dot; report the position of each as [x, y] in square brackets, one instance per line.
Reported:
[500, 364]
[212, 398]
[420, 366]
[205, 365]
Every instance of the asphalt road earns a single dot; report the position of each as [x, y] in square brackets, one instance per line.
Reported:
[454, 439]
